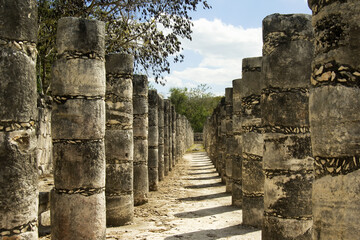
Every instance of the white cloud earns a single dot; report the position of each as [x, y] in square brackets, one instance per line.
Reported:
[222, 48]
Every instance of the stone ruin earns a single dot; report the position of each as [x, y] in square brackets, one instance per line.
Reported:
[284, 139]
[101, 133]
[295, 126]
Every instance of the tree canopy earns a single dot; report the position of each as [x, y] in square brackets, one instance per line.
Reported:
[149, 29]
[195, 103]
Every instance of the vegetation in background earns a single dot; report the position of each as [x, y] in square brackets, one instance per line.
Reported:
[149, 29]
[194, 103]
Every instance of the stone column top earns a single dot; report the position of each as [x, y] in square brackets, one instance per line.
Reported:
[251, 64]
[289, 24]
[81, 36]
[153, 97]
[23, 25]
[228, 95]
[140, 85]
[280, 29]
[113, 66]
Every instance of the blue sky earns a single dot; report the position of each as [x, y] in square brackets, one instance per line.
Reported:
[222, 37]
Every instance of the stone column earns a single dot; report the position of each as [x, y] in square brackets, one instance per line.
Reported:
[18, 114]
[78, 129]
[153, 159]
[288, 165]
[44, 153]
[230, 146]
[166, 137]
[217, 140]
[178, 136]
[335, 119]
[140, 108]
[119, 139]
[173, 128]
[222, 141]
[237, 158]
[161, 148]
[170, 125]
[252, 143]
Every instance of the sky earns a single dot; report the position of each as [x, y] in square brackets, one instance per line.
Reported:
[222, 37]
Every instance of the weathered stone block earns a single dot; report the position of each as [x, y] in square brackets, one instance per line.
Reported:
[84, 77]
[119, 89]
[289, 64]
[142, 127]
[153, 154]
[68, 212]
[79, 165]
[141, 185]
[18, 192]
[285, 109]
[78, 119]
[288, 196]
[253, 177]
[126, 66]
[119, 145]
[153, 179]
[288, 152]
[253, 210]
[334, 115]
[286, 229]
[18, 97]
[254, 143]
[80, 35]
[342, 212]
[119, 209]
[23, 25]
[237, 194]
[141, 151]
[119, 178]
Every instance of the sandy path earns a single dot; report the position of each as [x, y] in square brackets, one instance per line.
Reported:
[191, 204]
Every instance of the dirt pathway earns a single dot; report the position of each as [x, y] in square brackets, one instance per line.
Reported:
[191, 204]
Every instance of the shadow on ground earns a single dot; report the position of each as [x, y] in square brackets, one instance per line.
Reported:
[205, 197]
[236, 230]
[206, 185]
[200, 173]
[206, 212]
[203, 178]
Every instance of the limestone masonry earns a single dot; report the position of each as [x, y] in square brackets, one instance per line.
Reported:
[284, 138]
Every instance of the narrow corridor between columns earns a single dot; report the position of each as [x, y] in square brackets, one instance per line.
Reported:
[191, 203]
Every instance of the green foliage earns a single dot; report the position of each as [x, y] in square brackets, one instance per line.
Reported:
[195, 103]
[149, 29]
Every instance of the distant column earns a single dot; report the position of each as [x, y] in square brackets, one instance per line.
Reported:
[237, 159]
[230, 145]
[78, 129]
[140, 108]
[288, 165]
[166, 137]
[178, 136]
[173, 127]
[335, 119]
[223, 138]
[18, 113]
[252, 143]
[161, 138]
[153, 139]
[170, 138]
[119, 139]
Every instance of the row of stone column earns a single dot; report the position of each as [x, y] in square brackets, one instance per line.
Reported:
[294, 136]
[107, 129]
